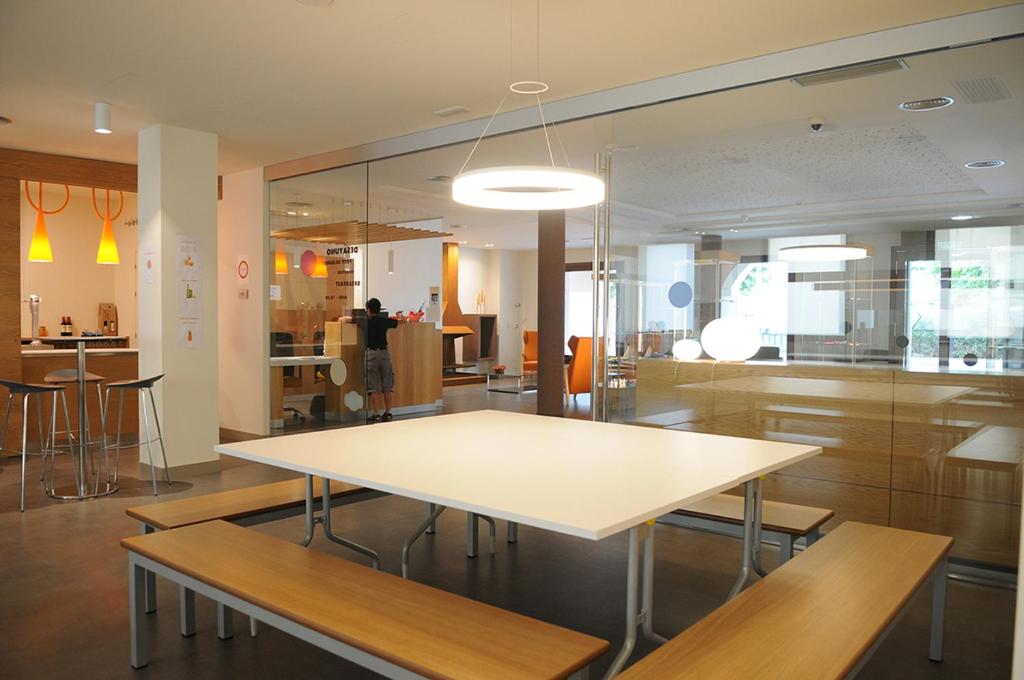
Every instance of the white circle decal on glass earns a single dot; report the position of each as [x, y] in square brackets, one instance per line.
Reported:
[680, 294]
[354, 401]
[339, 372]
[731, 339]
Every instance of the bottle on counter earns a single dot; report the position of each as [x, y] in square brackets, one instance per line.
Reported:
[113, 326]
[63, 325]
[106, 327]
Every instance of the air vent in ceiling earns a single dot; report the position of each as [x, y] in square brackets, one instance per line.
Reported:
[975, 165]
[835, 75]
[979, 90]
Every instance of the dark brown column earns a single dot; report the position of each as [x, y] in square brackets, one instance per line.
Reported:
[550, 311]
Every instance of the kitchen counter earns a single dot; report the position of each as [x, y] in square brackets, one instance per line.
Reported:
[49, 351]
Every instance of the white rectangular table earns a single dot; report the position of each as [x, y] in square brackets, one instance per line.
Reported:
[580, 478]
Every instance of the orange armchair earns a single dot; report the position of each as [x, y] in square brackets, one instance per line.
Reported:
[578, 372]
[530, 346]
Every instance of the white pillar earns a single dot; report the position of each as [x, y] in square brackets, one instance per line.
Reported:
[177, 288]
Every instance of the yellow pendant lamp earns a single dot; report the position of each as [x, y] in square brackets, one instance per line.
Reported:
[39, 249]
[280, 262]
[107, 252]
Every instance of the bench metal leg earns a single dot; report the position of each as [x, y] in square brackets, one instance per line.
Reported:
[939, 578]
[254, 628]
[136, 613]
[755, 545]
[513, 532]
[637, 588]
[310, 518]
[150, 580]
[647, 589]
[225, 622]
[351, 545]
[187, 609]
[432, 529]
[785, 549]
[581, 674]
[424, 526]
[812, 536]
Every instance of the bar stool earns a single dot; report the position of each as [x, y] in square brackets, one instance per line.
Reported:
[27, 390]
[69, 376]
[142, 384]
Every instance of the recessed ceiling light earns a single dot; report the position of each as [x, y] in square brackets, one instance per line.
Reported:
[440, 178]
[961, 218]
[975, 165]
[292, 212]
[488, 245]
[315, 3]
[346, 203]
[305, 214]
[462, 243]
[927, 104]
[4, 120]
[734, 230]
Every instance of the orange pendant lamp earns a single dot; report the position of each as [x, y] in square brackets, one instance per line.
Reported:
[39, 249]
[280, 262]
[320, 270]
[107, 252]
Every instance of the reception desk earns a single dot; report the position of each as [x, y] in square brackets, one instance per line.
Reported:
[939, 452]
[415, 355]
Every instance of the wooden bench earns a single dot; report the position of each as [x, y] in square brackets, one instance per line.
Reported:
[251, 505]
[784, 523]
[820, 616]
[392, 626]
[248, 506]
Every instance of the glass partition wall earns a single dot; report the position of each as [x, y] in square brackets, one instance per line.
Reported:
[319, 231]
[856, 287]
[803, 263]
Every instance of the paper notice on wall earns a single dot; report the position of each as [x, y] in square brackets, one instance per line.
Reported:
[189, 292]
[149, 261]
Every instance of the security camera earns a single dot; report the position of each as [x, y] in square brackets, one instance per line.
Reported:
[817, 124]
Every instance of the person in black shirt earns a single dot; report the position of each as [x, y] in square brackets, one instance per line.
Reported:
[380, 375]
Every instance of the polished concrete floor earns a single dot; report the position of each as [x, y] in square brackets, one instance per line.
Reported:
[63, 588]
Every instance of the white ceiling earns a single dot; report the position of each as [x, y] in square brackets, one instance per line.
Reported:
[276, 79]
[744, 163]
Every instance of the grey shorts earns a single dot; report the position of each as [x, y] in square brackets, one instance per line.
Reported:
[380, 376]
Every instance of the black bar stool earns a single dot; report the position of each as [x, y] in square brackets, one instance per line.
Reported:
[27, 390]
[143, 384]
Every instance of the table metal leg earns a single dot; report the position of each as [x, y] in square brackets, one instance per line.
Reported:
[632, 617]
[326, 514]
[430, 509]
[424, 526]
[150, 579]
[311, 518]
[225, 622]
[513, 532]
[755, 545]
[647, 588]
[83, 432]
[749, 500]
[472, 535]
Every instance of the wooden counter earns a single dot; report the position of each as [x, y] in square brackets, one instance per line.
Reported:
[415, 355]
[112, 364]
[938, 452]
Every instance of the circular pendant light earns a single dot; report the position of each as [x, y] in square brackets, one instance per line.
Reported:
[823, 253]
[527, 187]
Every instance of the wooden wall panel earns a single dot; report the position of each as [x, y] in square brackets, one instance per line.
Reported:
[550, 311]
[10, 278]
[83, 172]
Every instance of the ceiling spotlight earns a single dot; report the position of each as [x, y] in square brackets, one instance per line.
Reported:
[975, 165]
[440, 178]
[102, 118]
[316, 3]
[961, 218]
[291, 212]
[927, 104]
[462, 243]
[305, 214]
[346, 203]
[733, 230]
[488, 245]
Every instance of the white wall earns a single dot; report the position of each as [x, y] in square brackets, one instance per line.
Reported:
[242, 322]
[73, 284]
[417, 269]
